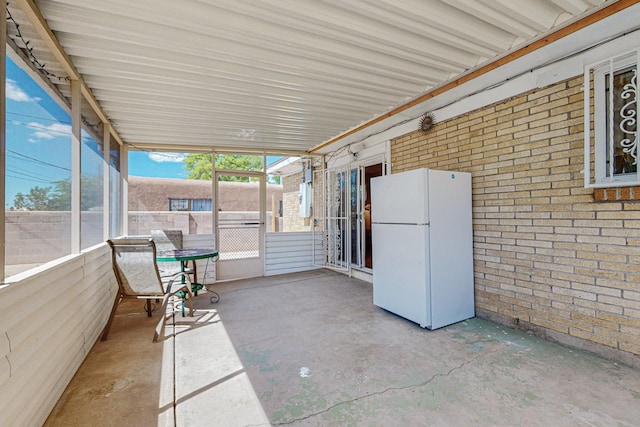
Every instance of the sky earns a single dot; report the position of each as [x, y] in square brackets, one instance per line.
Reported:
[157, 165]
[163, 165]
[38, 136]
[38, 142]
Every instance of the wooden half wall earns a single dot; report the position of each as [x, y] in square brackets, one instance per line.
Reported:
[292, 252]
[50, 319]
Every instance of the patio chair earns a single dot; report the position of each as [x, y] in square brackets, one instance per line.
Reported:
[136, 271]
[167, 240]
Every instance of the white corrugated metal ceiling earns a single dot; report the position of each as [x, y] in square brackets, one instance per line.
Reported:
[279, 74]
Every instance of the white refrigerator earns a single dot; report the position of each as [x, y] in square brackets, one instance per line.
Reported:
[423, 246]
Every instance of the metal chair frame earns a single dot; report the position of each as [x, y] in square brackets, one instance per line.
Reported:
[136, 271]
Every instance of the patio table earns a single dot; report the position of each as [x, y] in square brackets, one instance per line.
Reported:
[185, 255]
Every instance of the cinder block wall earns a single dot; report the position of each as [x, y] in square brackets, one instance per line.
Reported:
[40, 236]
[548, 257]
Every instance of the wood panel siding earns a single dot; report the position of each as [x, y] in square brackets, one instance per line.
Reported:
[291, 252]
[50, 318]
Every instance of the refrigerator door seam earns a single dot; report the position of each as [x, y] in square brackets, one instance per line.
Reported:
[401, 223]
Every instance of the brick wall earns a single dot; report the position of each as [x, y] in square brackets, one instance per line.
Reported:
[291, 183]
[548, 257]
[291, 219]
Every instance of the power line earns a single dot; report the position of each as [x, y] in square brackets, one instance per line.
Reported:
[38, 118]
[39, 161]
[31, 176]
[34, 126]
[24, 158]
[20, 176]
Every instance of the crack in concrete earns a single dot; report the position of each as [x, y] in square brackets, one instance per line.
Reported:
[378, 393]
[9, 352]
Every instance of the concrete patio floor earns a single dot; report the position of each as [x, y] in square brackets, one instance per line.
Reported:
[310, 349]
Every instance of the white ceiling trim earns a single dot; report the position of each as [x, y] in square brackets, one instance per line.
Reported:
[278, 74]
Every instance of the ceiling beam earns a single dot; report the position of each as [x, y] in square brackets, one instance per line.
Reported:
[598, 15]
[40, 25]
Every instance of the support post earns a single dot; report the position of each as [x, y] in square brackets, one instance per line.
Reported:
[106, 200]
[76, 141]
[3, 133]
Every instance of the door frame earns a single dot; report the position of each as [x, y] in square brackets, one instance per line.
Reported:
[241, 269]
[360, 203]
[347, 168]
[356, 217]
[336, 214]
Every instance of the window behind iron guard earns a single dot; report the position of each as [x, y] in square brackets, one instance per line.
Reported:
[614, 111]
[196, 205]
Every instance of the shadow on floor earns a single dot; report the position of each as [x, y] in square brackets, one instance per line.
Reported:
[311, 349]
[119, 383]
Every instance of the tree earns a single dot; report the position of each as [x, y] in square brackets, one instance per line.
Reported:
[91, 190]
[58, 198]
[61, 198]
[38, 199]
[239, 162]
[199, 166]
[274, 179]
